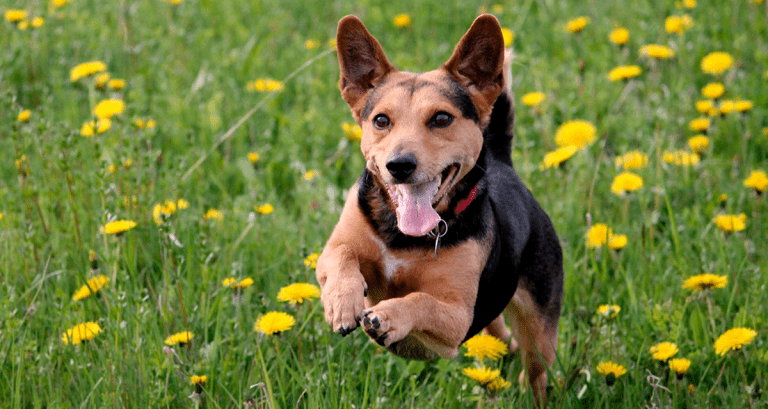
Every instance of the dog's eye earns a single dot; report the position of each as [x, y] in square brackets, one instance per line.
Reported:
[381, 121]
[441, 120]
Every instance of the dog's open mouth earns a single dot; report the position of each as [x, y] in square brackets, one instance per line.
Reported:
[414, 202]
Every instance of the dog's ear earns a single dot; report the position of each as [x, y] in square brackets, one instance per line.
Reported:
[477, 62]
[361, 60]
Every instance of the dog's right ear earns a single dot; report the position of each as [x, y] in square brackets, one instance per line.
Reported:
[361, 60]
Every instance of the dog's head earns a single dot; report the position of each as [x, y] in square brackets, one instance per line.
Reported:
[422, 133]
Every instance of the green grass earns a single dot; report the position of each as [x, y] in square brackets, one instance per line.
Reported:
[187, 67]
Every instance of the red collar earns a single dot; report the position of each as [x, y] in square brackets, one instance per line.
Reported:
[466, 201]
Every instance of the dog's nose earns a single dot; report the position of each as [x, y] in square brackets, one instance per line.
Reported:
[401, 166]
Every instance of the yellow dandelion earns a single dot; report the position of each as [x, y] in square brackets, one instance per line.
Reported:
[95, 127]
[617, 241]
[632, 160]
[619, 36]
[274, 323]
[198, 379]
[674, 24]
[93, 286]
[108, 108]
[741, 105]
[181, 338]
[482, 375]
[578, 133]
[555, 158]
[734, 339]
[534, 99]
[22, 25]
[626, 182]
[311, 44]
[713, 90]
[332, 43]
[731, 222]
[253, 157]
[664, 350]
[182, 204]
[705, 281]
[577, 25]
[687, 21]
[624, 72]
[509, 36]
[24, 115]
[689, 4]
[352, 131]
[14, 16]
[298, 292]
[37, 22]
[706, 107]
[213, 214]
[483, 346]
[597, 235]
[608, 310]
[698, 143]
[680, 157]
[311, 260]
[160, 212]
[100, 80]
[117, 227]
[498, 384]
[116, 84]
[228, 281]
[310, 174]
[716, 62]
[265, 208]
[611, 371]
[699, 124]
[265, 85]
[237, 284]
[402, 20]
[657, 51]
[81, 332]
[679, 366]
[86, 69]
[726, 106]
[757, 180]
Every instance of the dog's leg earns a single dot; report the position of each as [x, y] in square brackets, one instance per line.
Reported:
[537, 339]
[498, 328]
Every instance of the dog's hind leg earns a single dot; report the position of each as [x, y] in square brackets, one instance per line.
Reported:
[537, 340]
[498, 328]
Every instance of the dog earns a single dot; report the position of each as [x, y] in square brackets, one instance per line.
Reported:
[439, 238]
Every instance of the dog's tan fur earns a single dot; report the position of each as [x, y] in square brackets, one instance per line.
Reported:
[424, 302]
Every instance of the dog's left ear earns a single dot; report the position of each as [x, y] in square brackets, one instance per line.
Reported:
[477, 62]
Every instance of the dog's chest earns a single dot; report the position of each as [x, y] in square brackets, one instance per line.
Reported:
[393, 266]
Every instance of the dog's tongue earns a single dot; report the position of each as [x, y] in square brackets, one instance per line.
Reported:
[415, 215]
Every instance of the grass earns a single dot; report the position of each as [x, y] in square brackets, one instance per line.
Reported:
[187, 66]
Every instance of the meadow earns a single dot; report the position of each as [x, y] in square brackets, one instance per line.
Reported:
[168, 167]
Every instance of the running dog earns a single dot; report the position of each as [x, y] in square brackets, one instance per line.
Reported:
[439, 238]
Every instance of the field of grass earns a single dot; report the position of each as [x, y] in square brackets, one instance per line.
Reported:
[191, 68]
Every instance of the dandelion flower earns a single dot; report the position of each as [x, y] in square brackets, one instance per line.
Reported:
[689, 4]
[117, 227]
[726, 106]
[98, 127]
[578, 133]
[713, 90]
[109, 107]
[86, 69]
[253, 157]
[311, 260]
[238, 285]
[402, 20]
[626, 182]
[716, 62]
[24, 115]
[265, 85]
[705, 281]
[265, 208]
[116, 84]
[160, 212]
[310, 174]
[680, 157]
[198, 379]
[311, 44]
[678, 24]
[181, 338]
[483, 346]
[508, 35]
[100, 80]
[632, 160]
[624, 72]
[608, 310]
[734, 339]
[353, 132]
[298, 292]
[619, 36]
[14, 16]
[731, 222]
[577, 25]
[699, 124]
[657, 51]
[617, 241]
[81, 332]
[597, 235]
[757, 180]
[534, 99]
[706, 107]
[698, 143]
[483, 375]
[742, 105]
[213, 214]
[679, 366]
[92, 287]
[274, 322]
[611, 371]
[664, 350]
[182, 204]
[555, 158]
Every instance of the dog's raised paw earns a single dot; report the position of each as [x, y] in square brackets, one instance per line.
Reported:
[385, 323]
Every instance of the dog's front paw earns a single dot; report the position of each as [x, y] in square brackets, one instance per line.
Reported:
[387, 322]
[343, 301]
